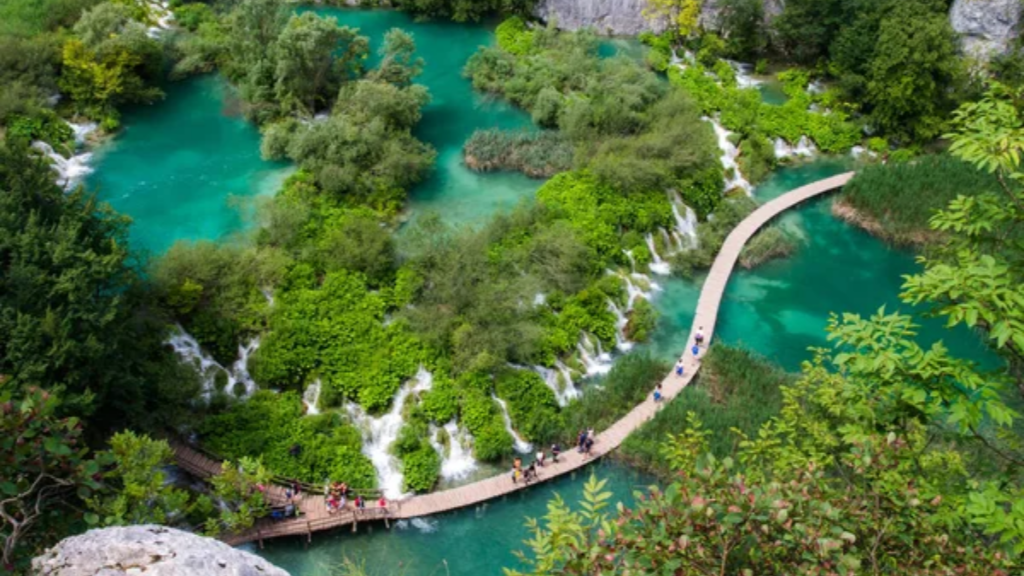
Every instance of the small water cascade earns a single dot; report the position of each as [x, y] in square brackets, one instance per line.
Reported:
[268, 295]
[559, 379]
[70, 171]
[657, 265]
[632, 261]
[187, 348]
[380, 432]
[539, 299]
[594, 360]
[311, 397]
[457, 460]
[730, 152]
[161, 11]
[621, 343]
[804, 148]
[815, 87]
[686, 226]
[520, 445]
[744, 71]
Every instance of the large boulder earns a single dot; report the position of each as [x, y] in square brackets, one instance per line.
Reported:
[987, 27]
[148, 550]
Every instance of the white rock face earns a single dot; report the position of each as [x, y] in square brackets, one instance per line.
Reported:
[986, 26]
[150, 550]
[613, 17]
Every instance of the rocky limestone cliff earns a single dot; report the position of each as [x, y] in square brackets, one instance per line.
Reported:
[150, 551]
[987, 27]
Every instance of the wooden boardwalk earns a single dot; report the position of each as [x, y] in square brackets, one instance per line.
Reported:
[314, 515]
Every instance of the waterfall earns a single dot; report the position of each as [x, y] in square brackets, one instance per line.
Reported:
[559, 380]
[743, 74]
[268, 295]
[815, 87]
[657, 265]
[621, 321]
[539, 299]
[457, 461]
[311, 397]
[521, 446]
[240, 369]
[188, 349]
[70, 171]
[686, 226]
[164, 17]
[82, 131]
[805, 147]
[593, 363]
[728, 159]
[379, 433]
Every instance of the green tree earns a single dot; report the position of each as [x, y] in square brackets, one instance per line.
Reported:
[914, 70]
[313, 56]
[240, 486]
[399, 64]
[42, 462]
[135, 488]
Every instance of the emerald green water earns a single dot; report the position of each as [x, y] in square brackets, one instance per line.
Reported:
[472, 542]
[178, 164]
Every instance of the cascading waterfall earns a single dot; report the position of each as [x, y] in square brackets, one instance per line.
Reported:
[457, 460]
[804, 148]
[161, 11]
[594, 360]
[70, 171]
[743, 74]
[187, 348]
[559, 380]
[686, 226]
[657, 265]
[729, 154]
[379, 433]
[521, 446]
[632, 261]
[311, 397]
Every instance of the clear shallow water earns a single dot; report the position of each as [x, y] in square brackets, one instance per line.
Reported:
[177, 165]
[781, 308]
[472, 542]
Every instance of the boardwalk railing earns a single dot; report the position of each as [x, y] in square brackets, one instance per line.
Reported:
[314, 517]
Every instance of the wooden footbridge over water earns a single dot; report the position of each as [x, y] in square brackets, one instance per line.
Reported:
[314, 516]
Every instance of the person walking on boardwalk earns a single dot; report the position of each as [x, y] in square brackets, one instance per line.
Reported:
[581, 439]
[589, 446]
[695, 350]
[657, 393]
[679, 367]
[555, 451]
[698, 338]
[540, 458]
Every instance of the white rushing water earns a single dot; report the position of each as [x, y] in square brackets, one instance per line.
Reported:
[70, 171]
[744, 71]
[457, 460]
[380, 432]
[686, 226]
[621, 343]
[804, 148]
[559, 379]
[595, 361]
[161, 13]
[734, 178]
[657, 265]
[187, 348]
[521, 446]
[311, 397]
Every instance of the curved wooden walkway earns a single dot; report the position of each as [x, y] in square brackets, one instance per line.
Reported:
[315, 517]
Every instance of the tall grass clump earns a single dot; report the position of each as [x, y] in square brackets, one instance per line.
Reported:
[896, 200]
[536, 154]
[734, 389]
[630, 381]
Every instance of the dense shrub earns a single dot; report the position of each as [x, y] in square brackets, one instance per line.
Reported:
[735, 389]
[537, 154]
[513, 36]
[643, 319]
[769, 243]
[531, 404]
[901, 197]
[312, 448]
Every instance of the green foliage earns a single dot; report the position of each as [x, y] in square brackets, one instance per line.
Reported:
[44, 125]
[757, 158]
[335, 329]
[536, 154]
[71, 318]
[420, 469]
[136, 491]
[902, 197]
[660, 54]
[483, 419]
[631, 380]
[643, 319]
[25, 18]
[513, 36]
[399, 64]
[769, 243]
[312, 448]
[193, 15]
[531, 404]
[734, 390]
[441, 403]
[237, 487]
[711, 235]
[42, 462]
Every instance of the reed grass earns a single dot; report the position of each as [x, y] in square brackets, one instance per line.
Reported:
[536, 154]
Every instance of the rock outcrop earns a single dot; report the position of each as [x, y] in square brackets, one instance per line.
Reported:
[987, 27]
[150, 551]
[612, 17]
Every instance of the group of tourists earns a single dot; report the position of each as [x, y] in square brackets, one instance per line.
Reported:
[336, 495]
[698, 343]
[585, 442]
[527, 475]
